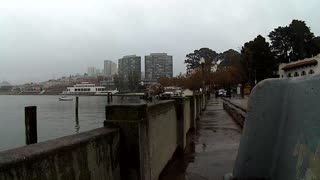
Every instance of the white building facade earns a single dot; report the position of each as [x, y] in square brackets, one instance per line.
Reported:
[300, 68]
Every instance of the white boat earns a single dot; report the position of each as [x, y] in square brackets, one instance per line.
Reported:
[64, 98]
[107, 92]
[84, 88]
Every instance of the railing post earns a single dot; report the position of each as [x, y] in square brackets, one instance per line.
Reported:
[77, 106]
[134, 145]
[31, 124]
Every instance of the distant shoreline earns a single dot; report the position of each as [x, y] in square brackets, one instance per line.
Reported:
[59, 94]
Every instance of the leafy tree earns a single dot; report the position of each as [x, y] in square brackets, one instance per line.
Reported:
[293, 42]
[229, 58]
[193, 59]
[281, 43]
[258, 60]
[301, 36]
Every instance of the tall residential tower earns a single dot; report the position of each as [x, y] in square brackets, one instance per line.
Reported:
[158, 65]
[130, 66]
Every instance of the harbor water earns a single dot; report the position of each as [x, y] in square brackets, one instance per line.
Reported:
[55, 118]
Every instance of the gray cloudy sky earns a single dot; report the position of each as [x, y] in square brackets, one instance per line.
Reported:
[41, 39]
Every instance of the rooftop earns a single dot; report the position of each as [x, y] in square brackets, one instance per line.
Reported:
[300, 64]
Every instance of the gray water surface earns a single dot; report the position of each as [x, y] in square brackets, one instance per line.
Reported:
[55, 118]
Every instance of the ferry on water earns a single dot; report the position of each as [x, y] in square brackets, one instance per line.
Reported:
[85, 88]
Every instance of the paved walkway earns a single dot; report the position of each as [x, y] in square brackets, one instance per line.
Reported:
[211, 150]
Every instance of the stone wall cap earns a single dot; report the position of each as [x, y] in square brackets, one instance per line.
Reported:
[33, 151]
[160, 103]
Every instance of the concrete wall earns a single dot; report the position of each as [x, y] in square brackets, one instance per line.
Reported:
[162, 136]
[150, 134]
[238, 114]
[85, 156]
[193, 112]
[281, 136]
[187, 116]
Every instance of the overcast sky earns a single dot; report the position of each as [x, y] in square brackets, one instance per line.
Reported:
[42, 39]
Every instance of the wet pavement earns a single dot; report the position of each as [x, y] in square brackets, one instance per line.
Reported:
[211, 150]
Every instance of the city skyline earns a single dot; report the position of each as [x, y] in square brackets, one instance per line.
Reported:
[44, 40]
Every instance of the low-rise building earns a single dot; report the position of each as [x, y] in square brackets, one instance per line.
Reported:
[300, 68]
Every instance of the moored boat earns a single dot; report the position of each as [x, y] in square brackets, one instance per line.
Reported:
[65, 98]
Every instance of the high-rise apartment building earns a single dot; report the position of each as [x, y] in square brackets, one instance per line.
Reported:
[158, 65]
[130, 66]
[110, 68]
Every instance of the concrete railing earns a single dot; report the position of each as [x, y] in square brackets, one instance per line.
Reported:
[90, 155]
[281, 136]
[151, 133]
[146, 137]
[237, 113]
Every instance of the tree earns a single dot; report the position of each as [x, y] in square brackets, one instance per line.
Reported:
[229, 58]
[301, 36]
[293, 42]
[193, 59]
[258, 60]
[281, 44]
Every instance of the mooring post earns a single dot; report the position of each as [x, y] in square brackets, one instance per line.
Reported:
[77, 106]
[31, 124]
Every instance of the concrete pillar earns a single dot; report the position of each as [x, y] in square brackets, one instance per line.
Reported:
[134, 151]
[200, 103]
[181, 134]
[204, 101]
[193, 112]
[197, 100]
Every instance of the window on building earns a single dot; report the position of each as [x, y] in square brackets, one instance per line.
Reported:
[296, 74]
[311, 71]
[289, 75]
[303, 73]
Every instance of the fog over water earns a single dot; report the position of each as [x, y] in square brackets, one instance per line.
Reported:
[47, 39]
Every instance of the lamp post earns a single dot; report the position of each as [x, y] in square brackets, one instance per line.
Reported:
[202, 62]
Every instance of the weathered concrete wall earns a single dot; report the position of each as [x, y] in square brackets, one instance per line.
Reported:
[193, 112]
[238, 115]
[204, 100]
[182, 105]
[148, 137]
[133, 124]
[150, 134]
[198, 105]
[162, 136]
[187, 116]
[85, 156]
[281, 137]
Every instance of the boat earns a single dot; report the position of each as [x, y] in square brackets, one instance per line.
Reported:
[107, 92]
[84, 89]
[65, 98]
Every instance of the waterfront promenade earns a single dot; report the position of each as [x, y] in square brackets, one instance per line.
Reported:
[211, 150]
